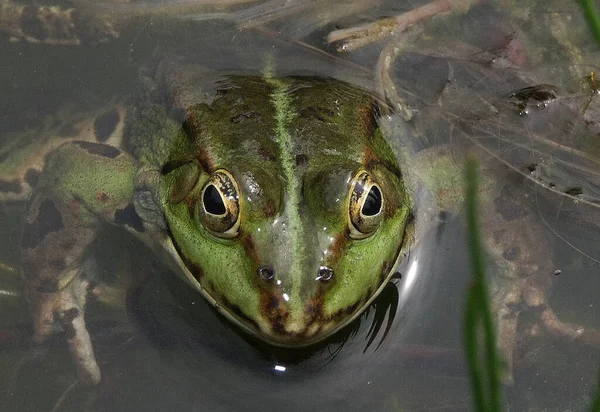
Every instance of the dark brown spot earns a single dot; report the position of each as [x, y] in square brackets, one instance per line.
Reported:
[8, 186]
[31, 24]
[106, 124]
[48, 220]
[301, 159]
[32, 176]
[512, 254]
[129, 217]
[266, 154]
[99, 149]
[102, 197]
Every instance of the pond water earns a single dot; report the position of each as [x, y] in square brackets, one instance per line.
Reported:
[512, 82]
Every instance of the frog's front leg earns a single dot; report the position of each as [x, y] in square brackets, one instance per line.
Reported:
[82, 185]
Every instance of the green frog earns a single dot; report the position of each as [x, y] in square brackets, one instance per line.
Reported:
[278, 198]
[281, 200]
[285, 201]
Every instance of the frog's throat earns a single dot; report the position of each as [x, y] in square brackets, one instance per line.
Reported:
[264, 325]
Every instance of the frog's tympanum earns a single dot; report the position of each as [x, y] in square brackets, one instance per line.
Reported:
[279, 199]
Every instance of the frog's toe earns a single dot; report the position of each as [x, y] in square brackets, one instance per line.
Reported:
[62, 313]
[80, 346]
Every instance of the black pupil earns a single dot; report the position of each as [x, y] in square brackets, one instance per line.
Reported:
[372, 204]
[213, 203]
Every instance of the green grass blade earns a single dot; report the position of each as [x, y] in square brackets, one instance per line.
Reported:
[478, 311]
[592, 17]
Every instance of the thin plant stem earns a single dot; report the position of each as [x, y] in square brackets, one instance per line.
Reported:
[478, 314]
[592, 17]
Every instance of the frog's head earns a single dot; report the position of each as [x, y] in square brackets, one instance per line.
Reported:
[289, 242]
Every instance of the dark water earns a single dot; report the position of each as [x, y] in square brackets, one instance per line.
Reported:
[160, 347]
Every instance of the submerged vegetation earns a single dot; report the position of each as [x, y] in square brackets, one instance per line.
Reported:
[485, 369]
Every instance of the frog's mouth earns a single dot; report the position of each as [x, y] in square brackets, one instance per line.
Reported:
[277, 325]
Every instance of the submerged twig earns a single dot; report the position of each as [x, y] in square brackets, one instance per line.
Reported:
[365, 34]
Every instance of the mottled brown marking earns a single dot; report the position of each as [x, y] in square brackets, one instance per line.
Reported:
[99, 149]
[102, 197]
[31, 24]
[10, 186]
[106, 124]
[368, 120]
[369, 159]
[48, 220]
[338, 247]
[269, 208]
[266, 154]
[74, 207]
[301, 159]
[32, 176]
[248, 244]
[272, 309]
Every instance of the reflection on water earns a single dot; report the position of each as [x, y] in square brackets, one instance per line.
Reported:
[513, 81]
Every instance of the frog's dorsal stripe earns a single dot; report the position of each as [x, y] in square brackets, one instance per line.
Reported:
[285, 114]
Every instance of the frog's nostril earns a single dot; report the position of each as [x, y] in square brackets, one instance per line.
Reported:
[325, 274]
[266, 273]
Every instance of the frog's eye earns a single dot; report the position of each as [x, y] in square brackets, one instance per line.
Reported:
[219, 208]
[365, 208]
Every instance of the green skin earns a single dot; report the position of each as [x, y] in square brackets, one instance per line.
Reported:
[293, 147]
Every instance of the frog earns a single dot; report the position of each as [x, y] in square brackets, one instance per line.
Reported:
[279, 199]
